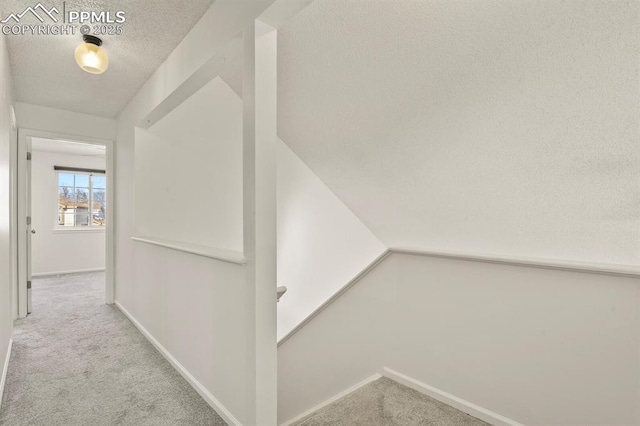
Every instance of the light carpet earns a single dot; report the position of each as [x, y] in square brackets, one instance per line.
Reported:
[78, 361]
[385, 402]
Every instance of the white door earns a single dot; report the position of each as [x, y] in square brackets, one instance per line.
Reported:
[25, 231]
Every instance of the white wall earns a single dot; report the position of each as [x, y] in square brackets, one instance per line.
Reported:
[53, 250]
[35, 117]
[7, 139]
[538, 346]
[188, 185]
[52, 122]
[193, 306]
[322, 245]
[497, 127]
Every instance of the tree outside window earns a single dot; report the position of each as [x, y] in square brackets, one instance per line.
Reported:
[81, 199]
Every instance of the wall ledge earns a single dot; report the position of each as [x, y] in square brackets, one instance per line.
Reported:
[205, 251]
[370, 267]
[570, 266]
[564, 265]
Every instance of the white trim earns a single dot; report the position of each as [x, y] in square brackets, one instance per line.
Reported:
[571, 266]
[79, 230]
[13, 217]
[564, 265]
[198, 79]
[20, 297]
[199, 387]
[5, 370]
[90, 227]
[452, 400]
[336, 295]
[21, 214]
[74, 271]
[205, 251]
[332, 399]
[110, 251]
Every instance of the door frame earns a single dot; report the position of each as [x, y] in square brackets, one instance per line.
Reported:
[20, 295]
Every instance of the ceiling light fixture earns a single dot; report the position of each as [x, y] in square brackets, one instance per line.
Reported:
[90, 57]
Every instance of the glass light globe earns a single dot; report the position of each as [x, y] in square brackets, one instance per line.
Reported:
[91, 58]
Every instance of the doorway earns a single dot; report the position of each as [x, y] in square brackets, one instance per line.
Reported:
[64, 209]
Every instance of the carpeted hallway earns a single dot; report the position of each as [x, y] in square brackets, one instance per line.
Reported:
[77, 361]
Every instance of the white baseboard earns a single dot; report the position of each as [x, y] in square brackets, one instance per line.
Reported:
[5, 370]
[199, 387]
[452, 400]
[74, 271]
[332, 399]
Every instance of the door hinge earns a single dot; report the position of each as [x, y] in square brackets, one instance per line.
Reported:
[28, 220]
[28, 156]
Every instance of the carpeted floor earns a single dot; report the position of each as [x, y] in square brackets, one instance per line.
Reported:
[77, 361]
[385, 402]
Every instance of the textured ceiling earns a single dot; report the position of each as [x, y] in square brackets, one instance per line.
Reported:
[45, 72]
[484, 126]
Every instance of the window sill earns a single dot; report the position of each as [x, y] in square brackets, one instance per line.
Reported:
[73, 230]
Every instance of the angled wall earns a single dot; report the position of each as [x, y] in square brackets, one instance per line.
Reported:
[530, 345]
[493, 128]
[487, 127]
[322, 245]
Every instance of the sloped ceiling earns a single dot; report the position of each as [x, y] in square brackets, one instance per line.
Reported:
[506, 127]
[45, 72]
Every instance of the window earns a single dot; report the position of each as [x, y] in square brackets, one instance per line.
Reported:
[81, 199]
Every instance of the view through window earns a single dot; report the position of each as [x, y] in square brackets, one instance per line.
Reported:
[81, 199]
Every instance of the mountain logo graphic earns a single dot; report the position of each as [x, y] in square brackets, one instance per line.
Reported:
[33, 10]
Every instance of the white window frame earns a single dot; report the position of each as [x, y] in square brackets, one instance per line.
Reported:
[88, 228]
